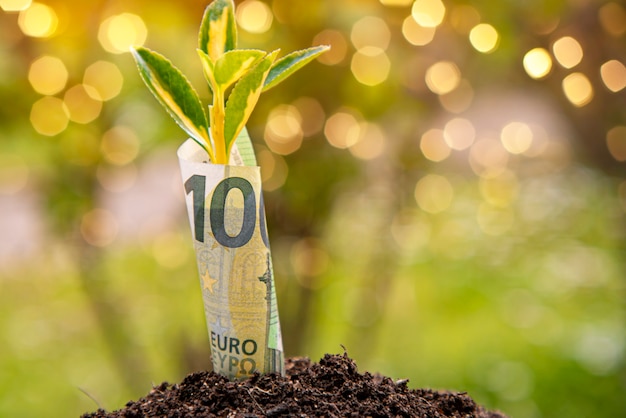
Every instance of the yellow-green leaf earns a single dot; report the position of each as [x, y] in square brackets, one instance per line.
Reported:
[291, 63]
[218, 31]
[231, 66]
[175, 93]
[243, 98]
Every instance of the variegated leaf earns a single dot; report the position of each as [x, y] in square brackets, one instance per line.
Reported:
[244, 97]
[175, 93]
[218, 31]
[291, 63]
[231, 66]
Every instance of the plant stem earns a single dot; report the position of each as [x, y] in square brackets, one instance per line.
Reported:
[217, 127]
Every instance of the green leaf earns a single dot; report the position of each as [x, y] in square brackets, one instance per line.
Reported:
[218, 31]
[244, 97]
[231, 66]
[291, 63]
[208, 69]
[175, 93]
[245, 148]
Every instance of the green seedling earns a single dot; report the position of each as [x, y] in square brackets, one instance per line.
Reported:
[236, 79]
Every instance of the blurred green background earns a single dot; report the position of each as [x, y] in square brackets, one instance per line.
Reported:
[445, 193]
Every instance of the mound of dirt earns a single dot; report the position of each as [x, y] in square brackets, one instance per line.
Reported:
[331, 388]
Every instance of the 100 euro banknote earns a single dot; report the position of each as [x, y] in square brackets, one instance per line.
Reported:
[227, 217]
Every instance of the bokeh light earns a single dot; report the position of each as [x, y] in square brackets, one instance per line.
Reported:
[434, 193]
[313, 113]
[500, 190]
[459, 133]
[120, 145]
[484, 38]
[613, 75]
[396, 3]
[103, 80]
[49, 116]
[48, 75]
[417, 34]
[370, 66]
[459, 99]
[254, 16]
[516, 137]
[616, 142]
[283, 130]
[118, 33]
[370, 31]
[338, 46]
[274, 169]
[443, 77]
[537, 63]
[567, 52]
[578, 89]
[371, 143]
[464, 17]
[488, 157]
[99, 227]
[38, 20]
[82, 107]
[613, 18]
[428, 13]
[342, 130]
[434, 146]
[14, 5]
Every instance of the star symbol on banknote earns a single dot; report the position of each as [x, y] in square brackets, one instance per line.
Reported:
[208, 281]
[217, 327]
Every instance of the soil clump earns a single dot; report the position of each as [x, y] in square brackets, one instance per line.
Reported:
[331, 388]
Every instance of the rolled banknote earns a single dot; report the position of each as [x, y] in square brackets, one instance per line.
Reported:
[227, 217]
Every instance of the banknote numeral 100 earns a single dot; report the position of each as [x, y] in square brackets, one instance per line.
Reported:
[196, 184]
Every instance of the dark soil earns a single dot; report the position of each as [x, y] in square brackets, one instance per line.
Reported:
[331, 388]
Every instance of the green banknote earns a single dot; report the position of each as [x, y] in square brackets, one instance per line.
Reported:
[227, 217]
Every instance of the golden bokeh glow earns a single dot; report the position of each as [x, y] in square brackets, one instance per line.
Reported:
[313, 123]
[396, 3]
[49, 116]
[14, 5]
[119, 32]
[484, 38]
[613, 18]
[567, 52]
[434, 193]
[616, 142]
[283, 130]
[416, 34]
[428, 13]
[370, 66]
[254, 16]
[577, 89]
[99, 227]
[38, 21]
[459, 99]
[274, 169]
[443, 77]
[48, 75]
[433, 145]
[371, 143]
[342, 130]
[81, 106]
[516, 137]
[488, 157]
[464, 18]
[370, 31]
[459, 134]
[501, 190]
[120, 145]
[338, 46]
[537, 63]
[103, 80]
[613, 75]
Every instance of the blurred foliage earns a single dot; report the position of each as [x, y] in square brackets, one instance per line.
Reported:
[443, 202]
